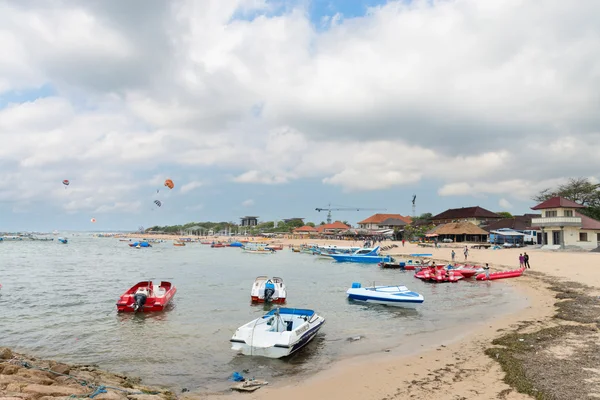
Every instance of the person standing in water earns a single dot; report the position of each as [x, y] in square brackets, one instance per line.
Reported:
[487, 271]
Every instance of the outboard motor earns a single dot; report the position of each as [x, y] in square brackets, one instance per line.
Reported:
[139, 301]
[269, 291]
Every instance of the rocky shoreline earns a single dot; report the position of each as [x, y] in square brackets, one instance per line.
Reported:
[28, 378]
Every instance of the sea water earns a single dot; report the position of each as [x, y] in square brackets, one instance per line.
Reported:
[58, 301]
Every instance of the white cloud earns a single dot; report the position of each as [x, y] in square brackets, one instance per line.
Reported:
[248, 203]
[365, 104]
[188, 187]
[505, 204]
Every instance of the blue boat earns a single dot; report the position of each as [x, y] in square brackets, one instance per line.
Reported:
[397, 295]
[140, 244]
[62, 240]
[367, 256]
[236, 244]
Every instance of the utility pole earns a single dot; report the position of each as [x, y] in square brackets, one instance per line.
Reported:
[414, 207]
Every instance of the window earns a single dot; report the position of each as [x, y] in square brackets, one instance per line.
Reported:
[583, 236]
[550, 214]
[568, 213]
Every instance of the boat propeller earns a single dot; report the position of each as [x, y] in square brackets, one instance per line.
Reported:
[139, 301]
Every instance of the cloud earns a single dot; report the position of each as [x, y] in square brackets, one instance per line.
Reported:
[188, 187]
[248, 203]
[505, 204]
[412, 91]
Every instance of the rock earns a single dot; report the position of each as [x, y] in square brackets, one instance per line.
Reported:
[13, 387]
[111, 395]
[61, 369]
[10, 398]
[144, 397]
[5, 353]
[50, 398]
[53, 390]
[10, 370]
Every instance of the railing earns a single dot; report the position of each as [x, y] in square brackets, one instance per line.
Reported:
[556, 221]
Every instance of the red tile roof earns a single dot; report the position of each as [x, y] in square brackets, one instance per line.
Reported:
[587, 222]
[337, 225]
[557, 202]
[305, 228]
[466, 212]
[379, 218]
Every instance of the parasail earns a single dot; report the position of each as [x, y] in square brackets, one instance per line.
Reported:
[66, 183]
[158, 203]
[169, 183]
[93, 220]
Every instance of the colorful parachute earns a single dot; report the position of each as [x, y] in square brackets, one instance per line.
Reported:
[158, 203]
[169, 183]
[93, 220]
[66, 183]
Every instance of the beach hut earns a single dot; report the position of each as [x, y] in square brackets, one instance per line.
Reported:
[460, 232]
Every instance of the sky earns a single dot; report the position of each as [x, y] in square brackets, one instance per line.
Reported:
[274, 108]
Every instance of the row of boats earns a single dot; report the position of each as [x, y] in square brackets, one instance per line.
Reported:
[281, 331]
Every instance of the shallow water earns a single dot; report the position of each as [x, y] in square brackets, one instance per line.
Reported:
[58, 301]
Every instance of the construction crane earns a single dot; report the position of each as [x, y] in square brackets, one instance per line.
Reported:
[329, 210]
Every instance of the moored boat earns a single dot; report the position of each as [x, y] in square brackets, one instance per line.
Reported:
[176, 243]
[218, 245]
[279, 333]
[439, 274]
[370, 256]
[140, 244]
[398, 295]
[268, 290]
[146, 297]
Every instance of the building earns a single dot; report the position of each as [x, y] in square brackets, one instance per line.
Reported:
[393, 223]
[459, 232]
[509, 236]
[475, 215]
[561, 225]
[333, 228]
[376, 221]
[305, 230]
[519, 223]
[249, 221]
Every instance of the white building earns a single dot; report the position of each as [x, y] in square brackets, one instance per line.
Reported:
[561, 225]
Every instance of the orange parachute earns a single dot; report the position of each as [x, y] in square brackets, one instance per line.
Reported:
[169, 183]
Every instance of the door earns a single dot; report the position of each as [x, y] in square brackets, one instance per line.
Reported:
[598, 238]
[555, 237]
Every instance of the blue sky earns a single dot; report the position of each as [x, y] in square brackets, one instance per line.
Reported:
[414, 97]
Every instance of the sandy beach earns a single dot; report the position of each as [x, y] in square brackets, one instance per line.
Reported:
[547, 350]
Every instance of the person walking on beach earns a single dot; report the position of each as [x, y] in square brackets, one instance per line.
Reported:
[521, 260]
[453, 255]
[466, 252]
[526, 260]
[487, 271]
[402, 242]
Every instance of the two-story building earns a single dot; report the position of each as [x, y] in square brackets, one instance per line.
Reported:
[475, 215]
[376, 221]
[333, 228]
[561, 225]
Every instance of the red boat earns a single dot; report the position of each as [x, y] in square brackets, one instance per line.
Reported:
[501, 275]
[218, 245]
[146, 297]
[274, 247]
[439, 275]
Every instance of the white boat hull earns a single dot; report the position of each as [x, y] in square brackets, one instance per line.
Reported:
[268, 336]
[397, 296]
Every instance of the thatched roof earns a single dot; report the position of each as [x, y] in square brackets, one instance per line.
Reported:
[458, 228]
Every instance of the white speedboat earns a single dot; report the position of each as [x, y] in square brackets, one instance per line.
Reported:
[278, 333]
[391, 295]
[268, 290]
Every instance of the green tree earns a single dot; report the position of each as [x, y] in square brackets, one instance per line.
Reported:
[505, 214]
[579, 190]
[310, 224]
